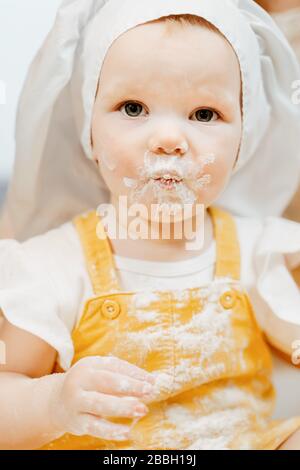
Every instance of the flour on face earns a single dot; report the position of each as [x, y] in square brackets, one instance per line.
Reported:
[169, 179]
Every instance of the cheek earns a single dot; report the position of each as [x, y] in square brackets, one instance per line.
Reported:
[124, 166]
[220, 173]
[227, 143]
[225, 147]
[112, 149]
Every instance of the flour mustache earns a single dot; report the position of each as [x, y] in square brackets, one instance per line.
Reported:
[168, 167]
[182, 175]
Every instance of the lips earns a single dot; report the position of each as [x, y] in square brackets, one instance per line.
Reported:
[167, 181]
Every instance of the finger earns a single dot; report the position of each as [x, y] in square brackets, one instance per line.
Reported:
[107, 406]
[112, 383]
[115, 364]
[103, 429]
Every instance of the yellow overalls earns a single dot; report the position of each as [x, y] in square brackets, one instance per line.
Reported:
[212, 365]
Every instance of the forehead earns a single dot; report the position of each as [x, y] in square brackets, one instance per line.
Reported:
[151, 56]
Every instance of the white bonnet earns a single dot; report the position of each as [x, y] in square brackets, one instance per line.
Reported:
[54, 177]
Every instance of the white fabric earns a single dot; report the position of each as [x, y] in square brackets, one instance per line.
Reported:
[289, 23]
[54, 178]
[44, 283]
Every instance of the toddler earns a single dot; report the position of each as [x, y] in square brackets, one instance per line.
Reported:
[147, 341]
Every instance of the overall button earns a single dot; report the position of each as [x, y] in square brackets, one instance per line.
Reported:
[228, 299]
[110, 309]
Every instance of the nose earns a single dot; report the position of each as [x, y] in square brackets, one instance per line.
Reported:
[166, 141]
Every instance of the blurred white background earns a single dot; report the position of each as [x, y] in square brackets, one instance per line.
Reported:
[23, 26]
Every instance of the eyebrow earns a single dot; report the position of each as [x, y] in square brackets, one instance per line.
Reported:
[120, 88]
[217, 96]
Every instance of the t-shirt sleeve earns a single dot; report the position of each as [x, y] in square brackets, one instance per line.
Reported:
[42, 286]
[271, 250]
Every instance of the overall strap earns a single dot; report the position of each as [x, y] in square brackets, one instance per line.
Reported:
[99, 258]
[98, 252]
[228, 262]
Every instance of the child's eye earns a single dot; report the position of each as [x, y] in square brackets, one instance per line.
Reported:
[132, 108]
[206, 115]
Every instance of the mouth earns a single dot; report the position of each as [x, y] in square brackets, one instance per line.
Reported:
[168, 182]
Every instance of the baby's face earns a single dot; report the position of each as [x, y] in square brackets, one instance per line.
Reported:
[167, 118]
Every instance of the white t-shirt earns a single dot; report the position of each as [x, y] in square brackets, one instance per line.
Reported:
[44, 283]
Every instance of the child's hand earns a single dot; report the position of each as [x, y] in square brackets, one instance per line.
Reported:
[96, 388]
